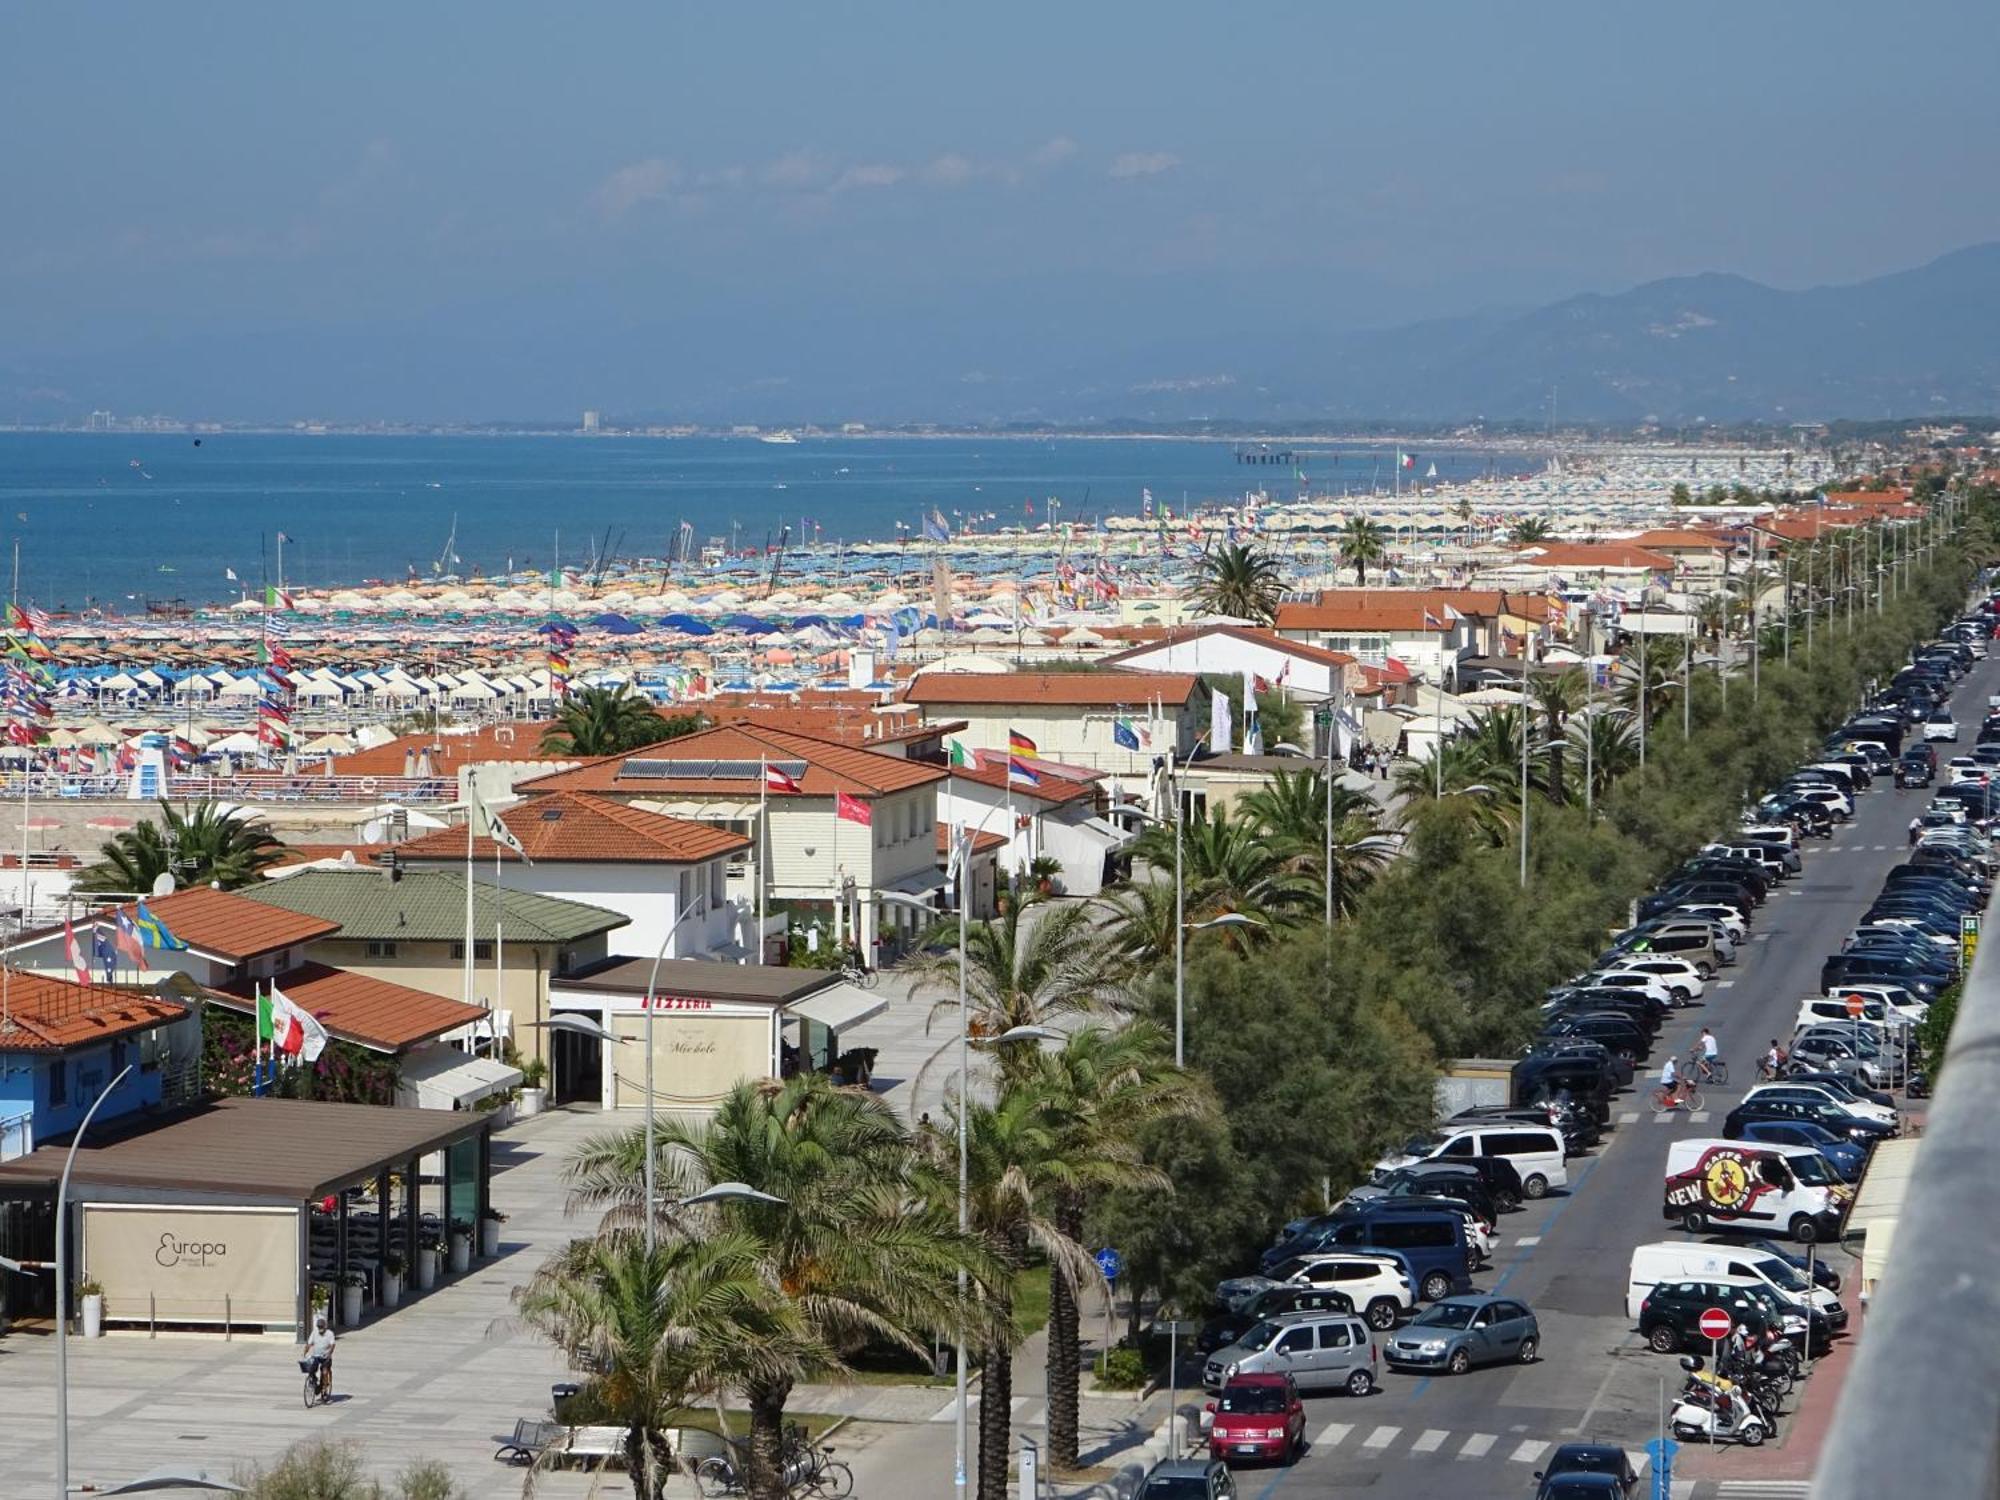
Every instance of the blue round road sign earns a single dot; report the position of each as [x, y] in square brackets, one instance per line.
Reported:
[1111, 1263]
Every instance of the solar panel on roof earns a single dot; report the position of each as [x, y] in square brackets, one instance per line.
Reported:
[708, 770]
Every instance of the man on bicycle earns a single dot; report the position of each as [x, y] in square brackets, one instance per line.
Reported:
[1706, 1054]
[1773, 1060]
[319, 1353]
[1670, 1083]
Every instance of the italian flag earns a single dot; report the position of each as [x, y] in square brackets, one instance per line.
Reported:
[958, 755]
[278, 1025]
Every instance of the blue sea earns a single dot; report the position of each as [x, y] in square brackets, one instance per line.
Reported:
[117, 520]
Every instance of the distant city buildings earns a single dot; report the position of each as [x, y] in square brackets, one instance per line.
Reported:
[590, 421]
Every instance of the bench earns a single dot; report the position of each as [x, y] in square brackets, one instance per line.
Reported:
[529, 1439]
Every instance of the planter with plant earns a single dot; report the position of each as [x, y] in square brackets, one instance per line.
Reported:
[533, 1096]
[91, 1297]
[489, 1231]
[461, 1245]
[352, 1286]
[429, 1247]
[390, 1290]
[1045, 870]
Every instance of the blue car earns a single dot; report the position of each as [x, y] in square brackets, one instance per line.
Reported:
[1844, 1156]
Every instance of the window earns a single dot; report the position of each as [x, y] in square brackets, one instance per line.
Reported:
[1464, 1145]
[118, 1057]
[1335, 1336]
[382, 950]
[480, 951]
[1295, 1341]
[58, 1083]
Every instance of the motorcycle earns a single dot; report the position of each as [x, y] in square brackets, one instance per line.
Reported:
[1717, 1410]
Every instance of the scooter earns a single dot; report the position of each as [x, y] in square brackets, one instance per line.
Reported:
[1717, 1410]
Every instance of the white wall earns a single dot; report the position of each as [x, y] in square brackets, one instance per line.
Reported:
[647, 894]
[1083, 736]
[1233, 656]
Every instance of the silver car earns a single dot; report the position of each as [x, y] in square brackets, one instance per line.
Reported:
[1320, 1351]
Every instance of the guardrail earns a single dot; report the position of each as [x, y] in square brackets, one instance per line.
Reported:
[1920, 1412]
[249, 787]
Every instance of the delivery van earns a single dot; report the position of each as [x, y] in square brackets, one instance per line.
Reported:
[1753, 1187]
[1678, 1260]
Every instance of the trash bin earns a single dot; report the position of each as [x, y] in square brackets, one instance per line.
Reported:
[560, 1395]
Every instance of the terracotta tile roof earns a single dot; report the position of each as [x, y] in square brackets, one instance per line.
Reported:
[222, 923]
[846, 721]
[1586, 555]
[1385, 612]
[823, 767]
[1672, 537]
[1161, 635]
[305, 854]
[1054, 689]
[495, 742]
[1866, 498]
[575, 827]
[377, 1014]
[982, 843]
[991, 771]
[46, 1014]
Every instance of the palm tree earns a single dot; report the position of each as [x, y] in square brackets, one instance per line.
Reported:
[209, 844]
[1240, 582]
[658, 1329]
[1033, 962]
[1557, 695]
[1142, 921]
[1101, 1088]
[1292, 810]
[1658, 666]
[1531, 529]
[611, 720]
[1607, 742]
[1361, 543]
[1228, 867]
[861, 1245]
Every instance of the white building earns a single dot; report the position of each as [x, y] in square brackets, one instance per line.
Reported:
[1112, 721]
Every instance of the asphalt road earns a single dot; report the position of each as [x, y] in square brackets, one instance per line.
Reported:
[1480, 1434]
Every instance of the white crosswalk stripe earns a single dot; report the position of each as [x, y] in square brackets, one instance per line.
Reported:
[1526, 1240]
[1721, 984]
[1699, 1116]
[1761, 1489]
[1528, 1452]
[1477, 1445]
[1629, 1117]
[1381, 1438]
[1330, 1435]
[1430, 1442]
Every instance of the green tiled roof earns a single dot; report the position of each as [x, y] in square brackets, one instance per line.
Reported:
[429, 906]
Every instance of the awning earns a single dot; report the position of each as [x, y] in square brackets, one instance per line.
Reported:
[1114, 836]
[838, 1006]
[444, 1078]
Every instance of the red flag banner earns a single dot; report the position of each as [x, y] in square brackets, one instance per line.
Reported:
[853, 809]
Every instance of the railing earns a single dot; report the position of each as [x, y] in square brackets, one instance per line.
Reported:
[1920, 1412]
[17, 1136]
[249, 786]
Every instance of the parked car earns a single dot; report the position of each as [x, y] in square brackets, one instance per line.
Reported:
[1670, 1315]
[1227, 1327]
[1187, 1479]
[1257, 1416]
[1915, 770]
[1842, 1155]
[1320, 1351]
[1587, 1461]
[1460, 1332]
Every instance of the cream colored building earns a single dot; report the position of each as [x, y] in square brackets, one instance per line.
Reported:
[1109, 721]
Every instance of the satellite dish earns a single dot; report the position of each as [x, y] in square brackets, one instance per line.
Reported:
[163, 883]
[372, 831]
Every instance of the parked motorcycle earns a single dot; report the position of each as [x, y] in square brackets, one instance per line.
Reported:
[1717, 1410]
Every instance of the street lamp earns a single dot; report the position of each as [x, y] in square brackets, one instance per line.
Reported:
[698, 908]
[727, 1192]
[166, 1479]
[62, 1288]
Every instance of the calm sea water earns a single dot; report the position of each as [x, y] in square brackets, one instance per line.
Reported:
[116, 520]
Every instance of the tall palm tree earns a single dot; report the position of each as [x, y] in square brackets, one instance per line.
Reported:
[862, 1244]
[1238, 581]
[1556, 695]
[1292, 811]
[207, 845]
[1101, 1088]
[1226, 866]
[661, 1328]
[1658, 667]
[1531, 529]
[611, 720]
[1362, 542]
[1141, 921]
[1607, 742]
[1035, 961]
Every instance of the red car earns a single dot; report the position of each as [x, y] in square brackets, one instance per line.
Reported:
[1257, 1417]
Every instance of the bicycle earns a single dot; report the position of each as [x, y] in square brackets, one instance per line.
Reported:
[855, 974]
[827, 1476]
[319, 1381]
[1710, 1072]
[1685, 1096]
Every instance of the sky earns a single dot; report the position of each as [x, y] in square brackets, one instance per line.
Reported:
[503, 210]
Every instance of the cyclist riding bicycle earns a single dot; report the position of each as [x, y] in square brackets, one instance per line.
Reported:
[1773, 1061]
[319, 1353]
[1705, 1057]
[1672, 1086]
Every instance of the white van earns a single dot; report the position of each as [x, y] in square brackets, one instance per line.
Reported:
[1680, 1260]
[1535, 1150]
[1753, 1187]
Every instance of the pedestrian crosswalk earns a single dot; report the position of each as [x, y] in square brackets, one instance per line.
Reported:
[1763, 1489]
[1378, 1440]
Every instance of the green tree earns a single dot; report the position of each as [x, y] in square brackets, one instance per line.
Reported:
[1240, 582]
[1362, 542]
[862, 1245]
[321, 1470]
[1679, 494]
[207, 844]
[657, 1329]
[610, 721]
[1555, 696]
[1293, 809]
[1531, 529]
[1226, 867]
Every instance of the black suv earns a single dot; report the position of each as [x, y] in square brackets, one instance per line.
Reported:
[1826, 1116]
[1224, 1329]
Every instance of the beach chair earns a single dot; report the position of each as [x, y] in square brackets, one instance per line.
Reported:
[529, 1439]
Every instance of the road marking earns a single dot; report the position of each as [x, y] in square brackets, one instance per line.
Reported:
[1629, 1117]
[1430, 1442]
[1528, 1239]
[1760, 937]
[1698, 1116]
[1725, 984]
[1477, 1444]
[1528, 1452]
[1330, 1436]
[1880, 847]
[1381, 1438]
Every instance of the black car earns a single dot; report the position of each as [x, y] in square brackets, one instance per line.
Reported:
[1497, 1172]
[1467, 1188]
[1617, 1033]
[1587, 1081]
[1873, 968]
[1670, 1316]
[1826, 1116]
[1224, 1329]
[1578, 1461]
[1915, 770]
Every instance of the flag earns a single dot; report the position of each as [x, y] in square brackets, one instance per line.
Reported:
[156, 932]
[496, 829]
[1260, 683]
[127, 939]
[853, 809]
[1019, 770]
[278, 1023]
[276, 598]
[1019, 744]
[958, 755]
[936, 529]
[1121, 734]
[102, 951]
[75, 953]
[777, 781]
[230, 574]
[1405, 460]
[282, 537]
[310, 1035]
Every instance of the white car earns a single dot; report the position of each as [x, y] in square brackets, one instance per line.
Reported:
[1655, 989]
[1964, 768]
[1945, 728]
[1374, 1284]
[1859, 1109]
[1899, 1000]
[1836, 802]
[1676, 973]
[1728, 917]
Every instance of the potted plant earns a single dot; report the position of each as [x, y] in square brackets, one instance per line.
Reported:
[92, 1294]
[428, 1249]
[390, 1292]
[1044, 870]
[322, 1300]
[351, 1287]
[461, 1245]
[489, 1232]
[532, 1098]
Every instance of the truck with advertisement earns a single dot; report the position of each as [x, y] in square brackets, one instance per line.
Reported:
[1754, 1187]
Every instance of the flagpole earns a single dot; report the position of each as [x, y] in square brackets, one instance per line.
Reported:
[468, 903]
[499, 952]
[763, 841]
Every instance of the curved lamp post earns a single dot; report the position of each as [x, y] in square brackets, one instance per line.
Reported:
[62, 1288]
[697, 909]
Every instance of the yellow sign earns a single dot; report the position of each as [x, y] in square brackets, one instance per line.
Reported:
[1968, 943]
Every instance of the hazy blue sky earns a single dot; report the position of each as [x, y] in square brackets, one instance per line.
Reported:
[504, 209]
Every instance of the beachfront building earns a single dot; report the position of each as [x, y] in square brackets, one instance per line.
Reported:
[1243, 653]
[1109, 720]
[407, 928]
[1059, 816]
[1560, 565]
[61, 1044]
[492, 758]
[1700, 558]
[860, 821]
[1427, 630]
[223, 936]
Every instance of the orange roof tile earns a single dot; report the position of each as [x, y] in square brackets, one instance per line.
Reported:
[825, 766]
[1673, 537]
[1053, 787]
[1054, 689]
[377, 1014]
[221, 923]
[1586, 555]
[47, 1014]
[1385, 612]
[847, 721]
[495, 742]
[573, 827]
